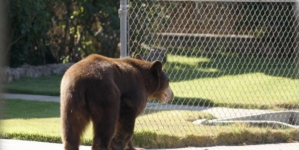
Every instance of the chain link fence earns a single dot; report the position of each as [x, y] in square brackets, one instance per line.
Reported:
[233, 67]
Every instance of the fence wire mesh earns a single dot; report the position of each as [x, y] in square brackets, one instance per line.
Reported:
[233, 68]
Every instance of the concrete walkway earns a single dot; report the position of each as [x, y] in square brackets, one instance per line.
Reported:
[32, 97]
[220, 112]
[32, 145]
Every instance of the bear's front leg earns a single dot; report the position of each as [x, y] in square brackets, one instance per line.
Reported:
[123, 134]
[131, 147]
[124, 128]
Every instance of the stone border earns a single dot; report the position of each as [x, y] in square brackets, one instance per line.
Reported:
[28, 71]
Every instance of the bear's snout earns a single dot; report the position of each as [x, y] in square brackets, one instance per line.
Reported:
[167, 95]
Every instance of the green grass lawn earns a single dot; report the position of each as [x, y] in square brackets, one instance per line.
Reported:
[211, 80]
[230, 81]
[40, 121]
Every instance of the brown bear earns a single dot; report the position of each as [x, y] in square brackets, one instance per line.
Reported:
[110, 93]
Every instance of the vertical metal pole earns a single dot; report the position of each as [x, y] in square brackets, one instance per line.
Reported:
[123, 11]
[296, 48]
[3, 44]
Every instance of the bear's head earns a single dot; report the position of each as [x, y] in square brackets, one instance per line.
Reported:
[163, 92]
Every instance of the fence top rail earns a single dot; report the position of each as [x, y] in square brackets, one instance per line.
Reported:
[268, 1]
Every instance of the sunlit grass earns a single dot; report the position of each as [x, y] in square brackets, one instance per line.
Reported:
[39, 121]
[245, 89]
[233, 81]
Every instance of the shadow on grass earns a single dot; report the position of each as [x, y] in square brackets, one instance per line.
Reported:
[200, 102]
[223, 64]
[32, 137]
[192, 101]
[155, 140]
[147, 139]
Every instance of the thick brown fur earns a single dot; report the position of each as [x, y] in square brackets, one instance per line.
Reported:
[110, 93]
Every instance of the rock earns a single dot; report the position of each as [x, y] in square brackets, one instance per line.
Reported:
[33, 72]
[22, 72]
[59, 70]
[11, 74]
[6, 76]
[53, 66]
[68, 65]
[15, 74]
[29, 72]
[45, 70]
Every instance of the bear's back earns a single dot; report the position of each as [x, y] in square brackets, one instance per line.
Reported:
[97, 70]
[93, 66]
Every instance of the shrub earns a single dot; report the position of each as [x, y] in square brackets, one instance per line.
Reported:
[53, 31]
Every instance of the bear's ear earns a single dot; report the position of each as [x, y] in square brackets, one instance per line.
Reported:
[137, 56]
[156, 68]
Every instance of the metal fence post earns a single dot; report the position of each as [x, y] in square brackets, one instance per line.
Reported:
[3, 48]
[296, 14]
[123, 10]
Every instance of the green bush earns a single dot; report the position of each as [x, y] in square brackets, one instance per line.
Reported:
[55, 31]
[29, 24]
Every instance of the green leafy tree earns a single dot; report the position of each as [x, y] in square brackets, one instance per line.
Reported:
[48, 31]
[29, 24]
